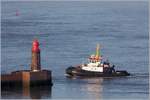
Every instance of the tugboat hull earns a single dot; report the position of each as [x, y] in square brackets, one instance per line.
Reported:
[73, 71]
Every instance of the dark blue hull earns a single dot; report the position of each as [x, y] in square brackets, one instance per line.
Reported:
[73, 71]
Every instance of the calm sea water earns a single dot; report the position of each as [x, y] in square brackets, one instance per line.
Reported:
[68, 33]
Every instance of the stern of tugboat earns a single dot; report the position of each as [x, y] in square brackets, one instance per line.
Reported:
[122, 73]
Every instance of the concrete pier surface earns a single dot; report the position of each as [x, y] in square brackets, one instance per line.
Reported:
[26, 78]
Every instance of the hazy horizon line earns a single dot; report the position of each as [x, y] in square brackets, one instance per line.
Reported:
[75, 0]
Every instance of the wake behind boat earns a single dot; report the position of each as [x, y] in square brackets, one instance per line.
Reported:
[95, 67]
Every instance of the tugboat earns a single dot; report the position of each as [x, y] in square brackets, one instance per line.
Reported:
[95, 67]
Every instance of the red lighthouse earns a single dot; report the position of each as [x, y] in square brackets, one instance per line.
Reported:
[35, 60]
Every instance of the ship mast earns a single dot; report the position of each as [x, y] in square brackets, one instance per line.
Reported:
[97, 50]
[97, 56]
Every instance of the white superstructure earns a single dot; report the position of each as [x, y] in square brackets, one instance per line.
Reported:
[94, 64]
[92, 67]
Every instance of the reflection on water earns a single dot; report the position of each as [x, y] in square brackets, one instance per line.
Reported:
[95, 84]
[27, 92]
[94, 87]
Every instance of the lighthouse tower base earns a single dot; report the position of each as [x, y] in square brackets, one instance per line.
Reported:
[26, 78]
